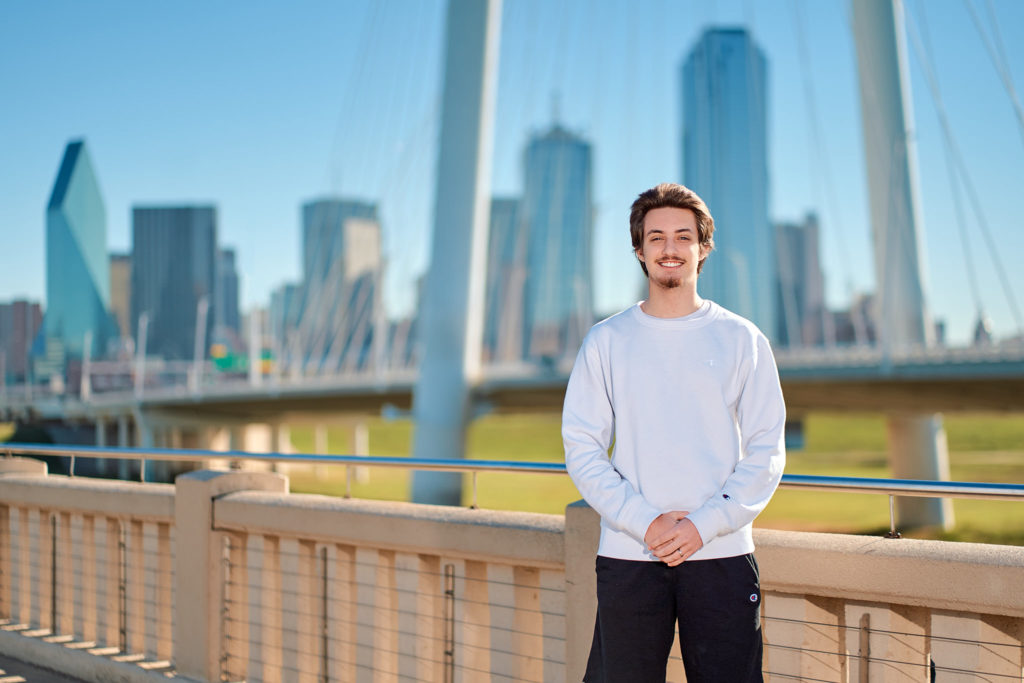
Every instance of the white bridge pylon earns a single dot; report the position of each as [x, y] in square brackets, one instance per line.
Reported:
[452, 317]
[917, 443]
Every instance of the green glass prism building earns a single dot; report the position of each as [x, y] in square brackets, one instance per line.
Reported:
[77, 260]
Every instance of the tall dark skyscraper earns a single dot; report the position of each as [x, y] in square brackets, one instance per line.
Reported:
[506, 271]
[77, 262]
[174, 250]
[557, 210]
[228, 319]
[725, 160]
[801, 284]
[19, 323]
[121, 292]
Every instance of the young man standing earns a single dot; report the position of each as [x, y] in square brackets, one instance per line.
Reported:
[689, 395]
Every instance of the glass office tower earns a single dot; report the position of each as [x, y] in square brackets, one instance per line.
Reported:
[506, 268]
[229, 320]
[341, 307]
[174, 251]
[801, 284]
[77, 261]
[725, 161]
[558, 213]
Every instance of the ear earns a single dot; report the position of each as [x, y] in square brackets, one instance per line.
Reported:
[704, 251]
[639, 253]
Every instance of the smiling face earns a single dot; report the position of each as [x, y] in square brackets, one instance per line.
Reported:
[671, 248]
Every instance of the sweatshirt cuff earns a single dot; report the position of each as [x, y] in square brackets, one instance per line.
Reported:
[710, 520]
[640, 521]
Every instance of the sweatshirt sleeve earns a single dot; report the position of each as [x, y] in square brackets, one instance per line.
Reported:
[761, 413]
[588, 427]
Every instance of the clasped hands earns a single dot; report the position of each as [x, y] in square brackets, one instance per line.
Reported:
[672, 537]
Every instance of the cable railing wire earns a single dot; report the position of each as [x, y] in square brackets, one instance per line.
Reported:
[883, 660]
[949, 639]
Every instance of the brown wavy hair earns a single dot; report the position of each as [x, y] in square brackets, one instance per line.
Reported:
[676, 196]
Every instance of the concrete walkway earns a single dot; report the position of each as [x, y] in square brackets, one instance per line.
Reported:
[14, 671]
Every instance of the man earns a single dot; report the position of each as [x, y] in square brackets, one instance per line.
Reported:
[689, 395]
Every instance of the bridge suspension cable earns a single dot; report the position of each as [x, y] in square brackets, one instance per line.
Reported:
[996, 51]
[825, 184]
[964, 174]
[928, 61]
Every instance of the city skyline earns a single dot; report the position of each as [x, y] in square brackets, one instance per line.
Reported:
[325, 110]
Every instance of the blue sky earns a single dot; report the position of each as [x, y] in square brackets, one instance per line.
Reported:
[257, 107]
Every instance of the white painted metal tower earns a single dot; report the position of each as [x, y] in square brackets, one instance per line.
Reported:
[917, 443]
[452, 316]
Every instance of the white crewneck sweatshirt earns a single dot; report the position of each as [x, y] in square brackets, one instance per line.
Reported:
[695, 410]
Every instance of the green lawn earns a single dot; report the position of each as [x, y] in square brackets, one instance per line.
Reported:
[982, 448]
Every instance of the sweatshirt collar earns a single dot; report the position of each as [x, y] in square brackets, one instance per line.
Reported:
[698, 318]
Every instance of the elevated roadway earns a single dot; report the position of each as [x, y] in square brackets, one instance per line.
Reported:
[937, 380]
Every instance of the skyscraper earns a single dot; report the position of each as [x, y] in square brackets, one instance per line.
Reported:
[340, 240]
[173, 268]
[228, 320]
[20, 321]
[801, 284]
[558, 215]
[284, 317]
[341, 249]
[77, 263]
[725, 160]
[506, 270]
[121, 292]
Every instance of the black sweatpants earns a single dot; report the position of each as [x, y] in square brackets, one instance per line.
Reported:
[715, 602]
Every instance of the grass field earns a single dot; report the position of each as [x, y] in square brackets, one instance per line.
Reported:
[982, 448]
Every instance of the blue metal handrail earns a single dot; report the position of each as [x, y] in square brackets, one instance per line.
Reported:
[890, 487]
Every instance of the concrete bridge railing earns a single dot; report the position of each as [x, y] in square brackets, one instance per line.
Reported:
[227, 576]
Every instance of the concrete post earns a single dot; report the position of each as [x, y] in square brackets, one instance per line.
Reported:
[18, 465]
[101, 432]
[903, 318]
[101, 441]
[198, 574]
[582, 534]
[452, 317]
[320, 447]
[122, 431]
[143, 430]
[123, 441]
[281, 442]
[918, 450]
[320, 438]
[361, 446]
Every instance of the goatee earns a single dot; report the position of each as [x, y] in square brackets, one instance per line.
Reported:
[669, 283]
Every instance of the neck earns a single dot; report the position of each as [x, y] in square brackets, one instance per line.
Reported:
[671, 303]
